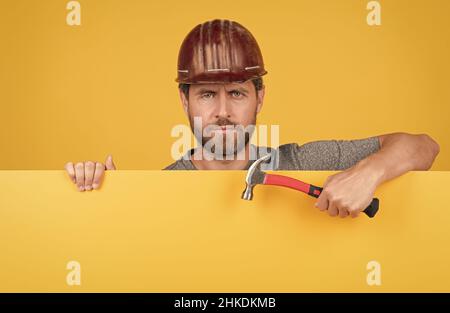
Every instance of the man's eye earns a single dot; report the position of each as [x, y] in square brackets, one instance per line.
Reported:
[207, 95]
[236, 93]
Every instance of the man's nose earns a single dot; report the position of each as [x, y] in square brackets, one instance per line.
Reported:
[223, 105]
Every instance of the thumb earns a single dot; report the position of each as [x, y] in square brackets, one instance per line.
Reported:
[109, 163]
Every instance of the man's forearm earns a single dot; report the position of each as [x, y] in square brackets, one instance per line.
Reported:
[400, 153]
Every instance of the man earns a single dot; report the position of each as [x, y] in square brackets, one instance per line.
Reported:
[220, 69]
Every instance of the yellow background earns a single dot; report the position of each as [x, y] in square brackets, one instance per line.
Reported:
[107, 86]
[168, 231]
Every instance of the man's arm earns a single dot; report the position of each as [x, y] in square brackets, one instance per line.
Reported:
[400, 153]
[351, 191]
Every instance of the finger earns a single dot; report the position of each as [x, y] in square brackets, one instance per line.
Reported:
[332, 209]
[354, 213]
[322, 202]
[343, 212]
[71, 171]
[98, 176]
[89, 168]
[79, 175]
[109, 163]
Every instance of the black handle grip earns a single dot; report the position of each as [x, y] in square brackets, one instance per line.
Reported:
[370, 211]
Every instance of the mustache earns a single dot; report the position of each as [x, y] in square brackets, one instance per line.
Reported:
[224, 122]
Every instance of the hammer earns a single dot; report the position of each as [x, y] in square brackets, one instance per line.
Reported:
[255, 176]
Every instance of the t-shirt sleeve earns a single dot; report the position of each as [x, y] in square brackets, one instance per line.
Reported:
[326, 154]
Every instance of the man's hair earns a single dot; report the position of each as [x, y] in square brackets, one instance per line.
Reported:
[258, 82]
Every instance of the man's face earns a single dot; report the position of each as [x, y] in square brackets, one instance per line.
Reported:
[219, 105]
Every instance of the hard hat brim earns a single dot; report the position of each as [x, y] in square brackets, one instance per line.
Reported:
[219, 77]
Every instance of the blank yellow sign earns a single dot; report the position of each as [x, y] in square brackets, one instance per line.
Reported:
[189, 231]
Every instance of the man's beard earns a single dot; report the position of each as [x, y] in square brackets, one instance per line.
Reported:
[231, 149]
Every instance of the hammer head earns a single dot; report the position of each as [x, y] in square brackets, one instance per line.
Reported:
[254, 176]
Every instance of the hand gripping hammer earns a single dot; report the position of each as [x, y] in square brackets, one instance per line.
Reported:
[255, 176]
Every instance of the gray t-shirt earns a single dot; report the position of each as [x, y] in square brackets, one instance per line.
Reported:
[330, 155]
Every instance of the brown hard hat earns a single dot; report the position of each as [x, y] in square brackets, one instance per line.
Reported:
[219, 51]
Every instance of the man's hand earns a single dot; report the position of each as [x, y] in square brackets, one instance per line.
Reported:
[351, 191]
[348, 192]
[89, 175]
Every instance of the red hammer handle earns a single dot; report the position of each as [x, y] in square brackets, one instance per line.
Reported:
[314, 191]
